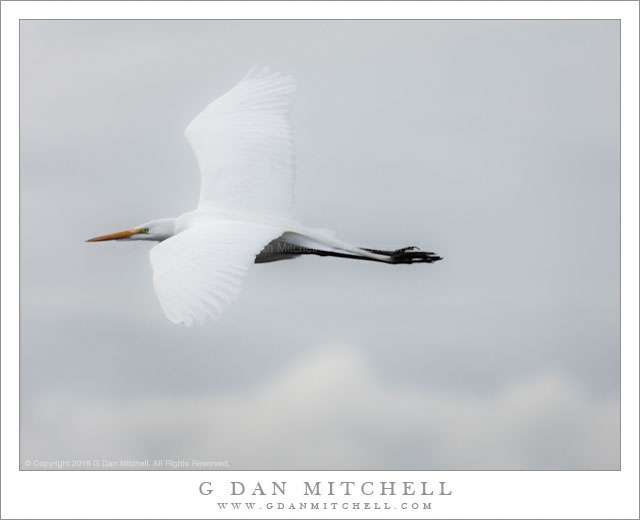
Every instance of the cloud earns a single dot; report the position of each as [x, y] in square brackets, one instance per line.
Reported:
[330, 411]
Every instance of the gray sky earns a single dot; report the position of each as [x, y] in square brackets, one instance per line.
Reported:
[494, 144]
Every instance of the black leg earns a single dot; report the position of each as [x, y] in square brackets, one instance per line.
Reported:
[405, 255]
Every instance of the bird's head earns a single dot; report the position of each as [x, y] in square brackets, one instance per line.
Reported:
[157, 230]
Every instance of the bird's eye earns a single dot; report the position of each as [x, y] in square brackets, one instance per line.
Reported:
[143, 230]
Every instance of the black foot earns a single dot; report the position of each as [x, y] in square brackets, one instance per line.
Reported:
[407, 255]
[387, 252]
[410, 257]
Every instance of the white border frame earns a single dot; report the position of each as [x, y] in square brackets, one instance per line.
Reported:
[476, 494]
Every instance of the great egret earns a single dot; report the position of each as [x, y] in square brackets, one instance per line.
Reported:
[244, 147]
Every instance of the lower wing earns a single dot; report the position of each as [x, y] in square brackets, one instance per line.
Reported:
[199, 272]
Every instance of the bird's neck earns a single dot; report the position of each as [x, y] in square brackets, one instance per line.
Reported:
[162, 228]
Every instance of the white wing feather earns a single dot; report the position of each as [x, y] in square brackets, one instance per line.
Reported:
[199, 272]
[244, 146]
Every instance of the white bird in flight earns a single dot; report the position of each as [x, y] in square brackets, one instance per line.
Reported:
[244, 147]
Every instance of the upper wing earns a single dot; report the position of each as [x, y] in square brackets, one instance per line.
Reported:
[199, 272]
[244, 146]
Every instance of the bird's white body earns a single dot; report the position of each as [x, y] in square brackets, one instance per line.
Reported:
[290, 231]
[244, 146]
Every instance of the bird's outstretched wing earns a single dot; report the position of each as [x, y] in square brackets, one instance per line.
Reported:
[199, 272]
[244, 146]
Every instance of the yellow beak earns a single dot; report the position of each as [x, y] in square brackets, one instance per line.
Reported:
[116, 236]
